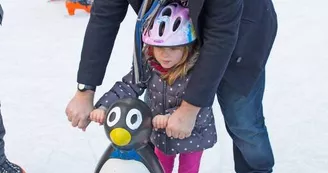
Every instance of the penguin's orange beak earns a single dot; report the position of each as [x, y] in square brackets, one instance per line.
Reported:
[120, 136]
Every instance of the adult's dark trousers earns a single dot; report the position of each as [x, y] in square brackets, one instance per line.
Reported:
[245, 124]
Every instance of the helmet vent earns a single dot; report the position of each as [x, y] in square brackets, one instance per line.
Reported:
[167, 12]
[176, 24]
[161, 29]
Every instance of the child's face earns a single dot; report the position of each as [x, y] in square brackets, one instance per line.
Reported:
[168, 56]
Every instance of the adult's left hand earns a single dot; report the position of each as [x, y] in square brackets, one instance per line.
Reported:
[182, 121]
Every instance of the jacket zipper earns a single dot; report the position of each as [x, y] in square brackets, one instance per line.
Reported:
[164, 106]
[164, 97]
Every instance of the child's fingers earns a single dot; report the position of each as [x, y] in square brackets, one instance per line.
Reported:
[161, 123]
[95, 117]
[99, 118]
[102, 119]
[155, 122]
[165, 121]
[92, 116]
[157, 125]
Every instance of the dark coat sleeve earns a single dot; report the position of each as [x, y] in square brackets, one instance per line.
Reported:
[220, 21]
[105, 19]
[1, 14]
[122, 89]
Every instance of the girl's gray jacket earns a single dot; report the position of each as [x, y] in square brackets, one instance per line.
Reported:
[164, 99]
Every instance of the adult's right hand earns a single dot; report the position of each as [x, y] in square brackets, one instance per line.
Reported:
[79, 109]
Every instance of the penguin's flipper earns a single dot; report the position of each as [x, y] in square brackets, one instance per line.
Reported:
[150, 159]
[104, 158]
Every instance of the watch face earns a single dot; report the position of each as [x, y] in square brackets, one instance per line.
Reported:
[81, 86]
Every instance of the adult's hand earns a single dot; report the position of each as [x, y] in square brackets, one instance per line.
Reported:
[79, 109]
[182, 121]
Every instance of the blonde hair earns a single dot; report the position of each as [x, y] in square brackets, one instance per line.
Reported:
[181, 68]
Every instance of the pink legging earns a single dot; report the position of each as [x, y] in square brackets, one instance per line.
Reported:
[188, 162]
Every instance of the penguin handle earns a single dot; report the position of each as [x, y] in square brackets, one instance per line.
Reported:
[104, 158]
[150, 159]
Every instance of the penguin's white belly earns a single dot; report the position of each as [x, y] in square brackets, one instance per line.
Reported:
[123, 166]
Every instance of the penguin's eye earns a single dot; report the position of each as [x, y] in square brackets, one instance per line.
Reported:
[113, 116]
[134, 119]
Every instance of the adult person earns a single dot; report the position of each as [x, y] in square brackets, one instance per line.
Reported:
[236, 39]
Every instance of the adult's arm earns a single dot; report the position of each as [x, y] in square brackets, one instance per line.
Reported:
[105, 19]
[220, 33]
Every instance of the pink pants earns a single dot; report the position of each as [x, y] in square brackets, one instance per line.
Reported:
[188, 162]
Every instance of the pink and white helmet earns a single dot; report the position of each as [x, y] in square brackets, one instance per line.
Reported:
[172, 27]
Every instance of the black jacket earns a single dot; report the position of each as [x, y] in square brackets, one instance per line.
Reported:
[237, 36]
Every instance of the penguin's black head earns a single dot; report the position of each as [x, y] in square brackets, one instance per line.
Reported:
[128, 123]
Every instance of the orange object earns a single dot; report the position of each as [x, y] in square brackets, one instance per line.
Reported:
[72, 6]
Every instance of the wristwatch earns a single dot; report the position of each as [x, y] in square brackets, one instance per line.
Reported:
[84, 87]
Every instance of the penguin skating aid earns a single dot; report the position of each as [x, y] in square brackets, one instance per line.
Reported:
[128, 126]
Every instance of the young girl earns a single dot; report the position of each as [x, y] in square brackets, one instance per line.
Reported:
[170, 53]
